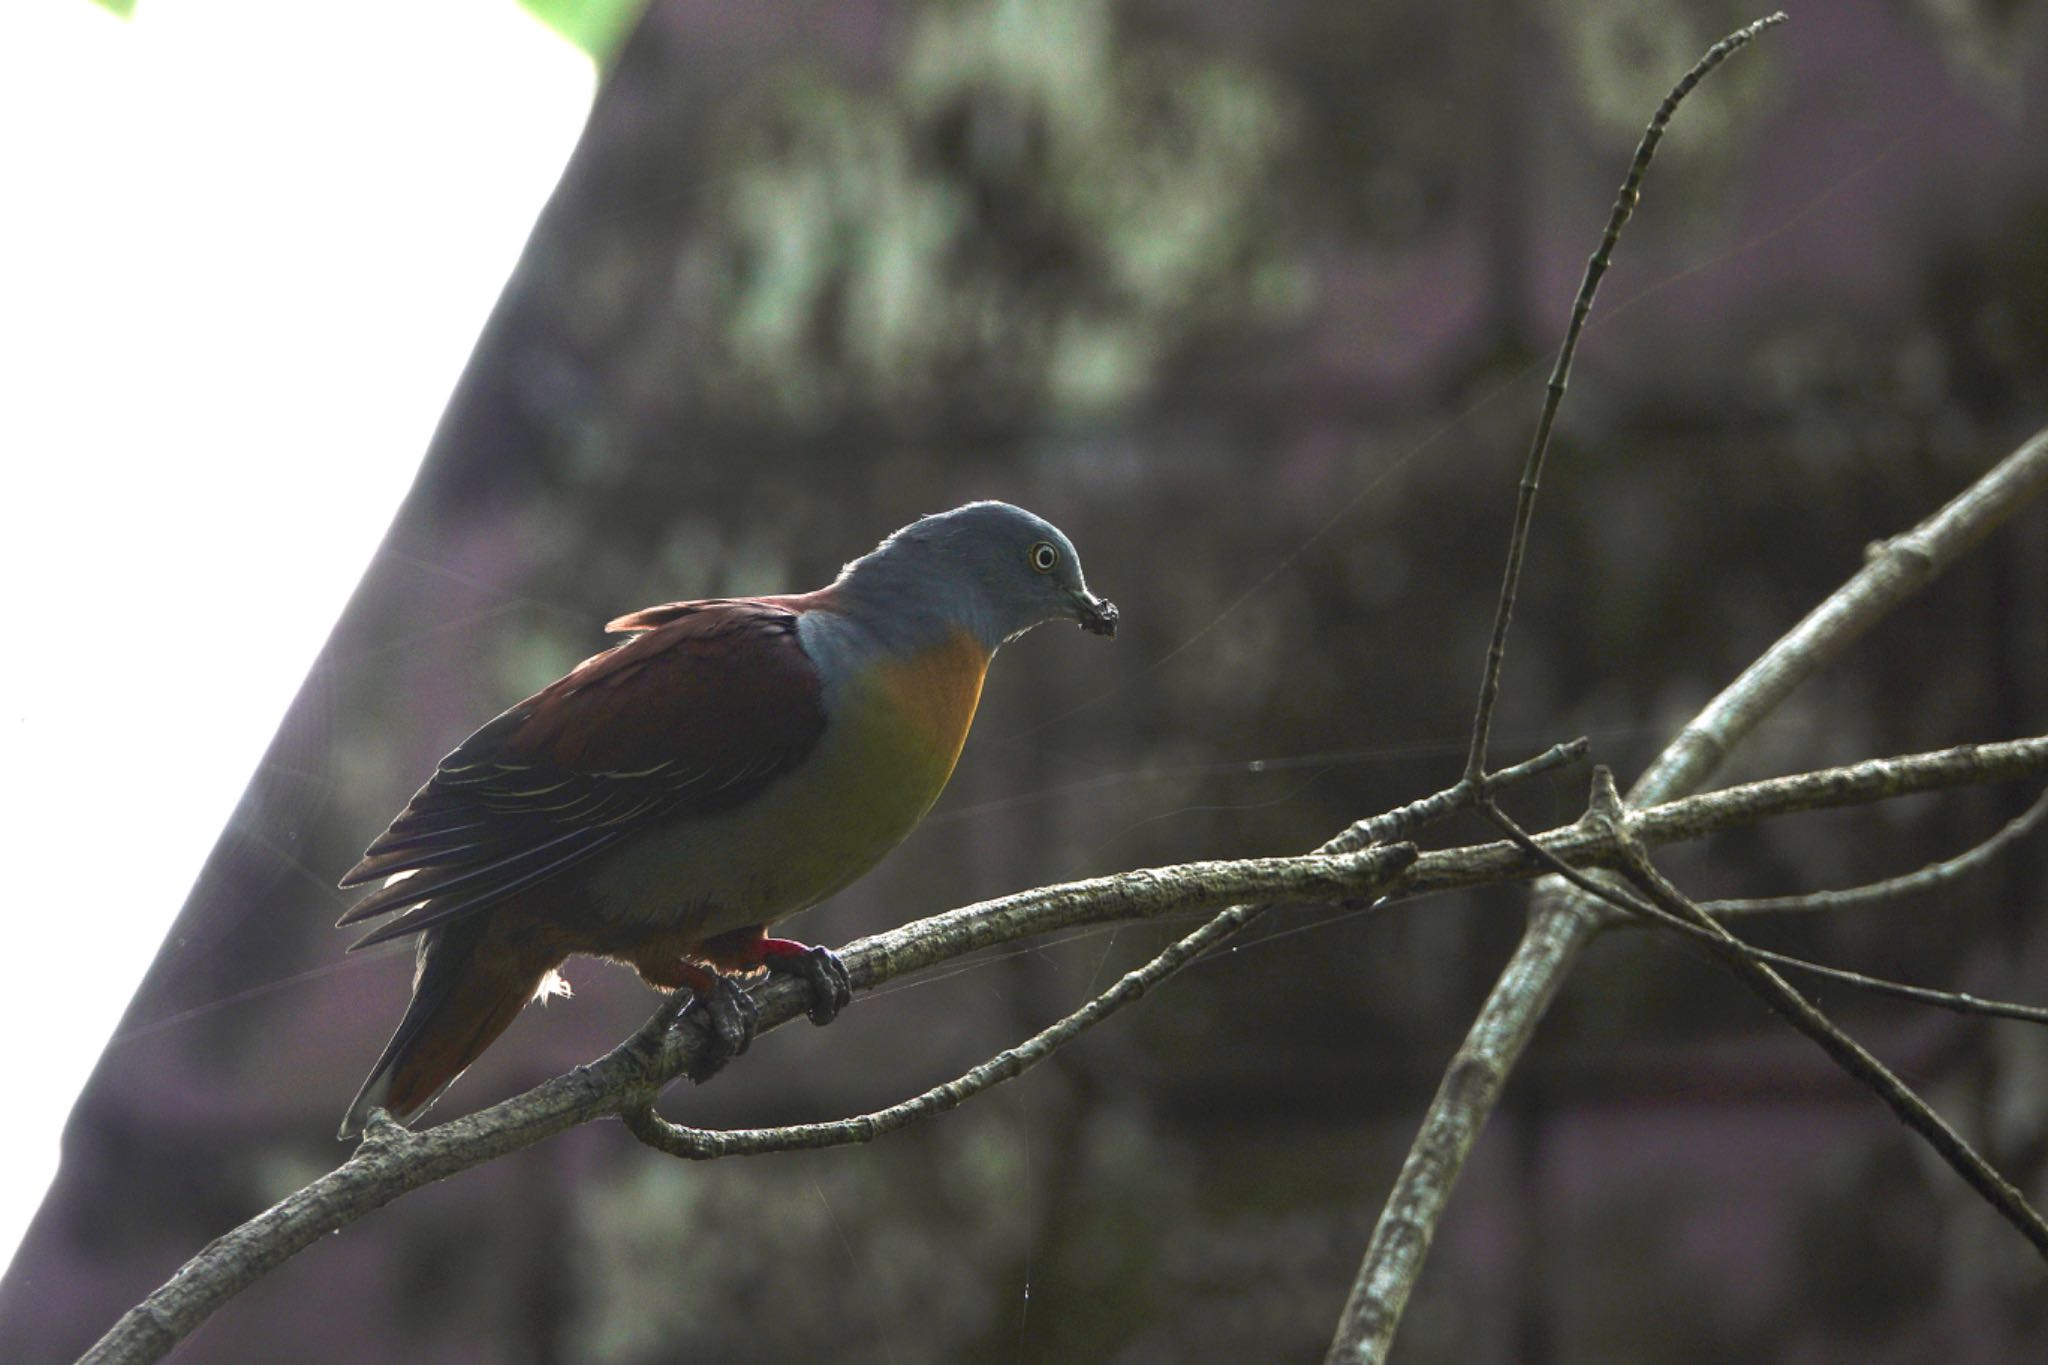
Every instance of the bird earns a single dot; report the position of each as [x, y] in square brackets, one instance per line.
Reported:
[666, 802]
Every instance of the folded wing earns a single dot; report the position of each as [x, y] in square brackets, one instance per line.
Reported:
[707, 704]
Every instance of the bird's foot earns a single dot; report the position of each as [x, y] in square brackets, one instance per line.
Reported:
[820, 968]
[380, 1128]
[728, 1018]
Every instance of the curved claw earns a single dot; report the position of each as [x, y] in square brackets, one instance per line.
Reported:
[728, 1018]
[824, 972]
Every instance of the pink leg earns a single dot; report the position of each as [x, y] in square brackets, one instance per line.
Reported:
[727, 1012]
[820, 968]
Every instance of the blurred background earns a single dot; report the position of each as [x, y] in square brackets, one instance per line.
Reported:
[1256, 302]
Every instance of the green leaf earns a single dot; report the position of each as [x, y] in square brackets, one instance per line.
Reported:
[123, 8]
[596, 26]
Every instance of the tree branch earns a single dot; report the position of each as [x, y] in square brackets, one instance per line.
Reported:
[1933, 877]
[392, 1161]
[1656, 915]
[1589, 844]
[1562, 921]
[1846, 1052]
[1356, 868]
[702, 1144]
[1671, 908]
[1400, 1240]
[1560, 373]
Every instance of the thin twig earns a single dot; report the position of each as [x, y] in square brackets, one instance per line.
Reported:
[1935, 876]
[1587, 844]
[1672, 909]
[1893, 571]
[1651, 913]
[707, 1144]
[1776, 992]
[1553, 394]
[1407, 1224]
[1406, 821]
[1562, 921]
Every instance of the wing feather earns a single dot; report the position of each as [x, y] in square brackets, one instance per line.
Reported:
[702, 708]
[442, 907]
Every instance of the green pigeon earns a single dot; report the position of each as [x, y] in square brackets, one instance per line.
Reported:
[732, 762]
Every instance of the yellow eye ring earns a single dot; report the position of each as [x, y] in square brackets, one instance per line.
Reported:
[1044, 556]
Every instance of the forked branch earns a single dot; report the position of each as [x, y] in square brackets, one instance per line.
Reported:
[1358, 868]
[1563, 919]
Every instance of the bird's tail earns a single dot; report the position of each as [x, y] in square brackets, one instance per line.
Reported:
[467, 987]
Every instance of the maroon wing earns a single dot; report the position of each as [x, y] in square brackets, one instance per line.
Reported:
[706, 705]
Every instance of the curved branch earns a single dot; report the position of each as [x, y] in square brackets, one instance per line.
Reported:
[702, 1144]
[392, 1161]
[1407, 1223]
[1562, 920]
[1591, 843]
[1846, 1052]
[1670, 908]
[1933, 877]
[1718, 938]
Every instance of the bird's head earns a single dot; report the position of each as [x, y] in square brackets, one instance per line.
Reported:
[1016, 568]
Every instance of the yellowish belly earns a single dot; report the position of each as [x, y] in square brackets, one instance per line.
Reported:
[884, 759]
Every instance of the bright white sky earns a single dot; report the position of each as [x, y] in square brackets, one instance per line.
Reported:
[245, 248]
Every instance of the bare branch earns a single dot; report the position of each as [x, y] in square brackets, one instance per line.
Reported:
[1404, 821]
[1588, 844]
[1562, 921]
[702, 1144]
[1913, 1111]
[1355, 868]
[1656, 915]
[392, 1161]
[1893, 571]
[1553, 396]
[1934, 877]
[1671, 908]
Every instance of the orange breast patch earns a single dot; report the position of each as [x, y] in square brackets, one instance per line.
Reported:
[935, 693]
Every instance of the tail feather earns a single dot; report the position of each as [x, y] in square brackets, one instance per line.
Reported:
[466, 989]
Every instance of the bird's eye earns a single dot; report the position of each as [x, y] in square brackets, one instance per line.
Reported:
[1044, 556]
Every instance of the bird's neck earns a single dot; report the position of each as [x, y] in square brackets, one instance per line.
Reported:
[907, 608]
[903, 673]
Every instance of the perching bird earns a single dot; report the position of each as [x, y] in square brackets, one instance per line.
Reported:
[733, 762]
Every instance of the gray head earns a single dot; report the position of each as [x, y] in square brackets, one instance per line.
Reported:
[997, 569]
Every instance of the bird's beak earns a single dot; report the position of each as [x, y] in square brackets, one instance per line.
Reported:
[1096, 614]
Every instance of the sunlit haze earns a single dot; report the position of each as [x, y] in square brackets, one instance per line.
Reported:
[245, 250]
